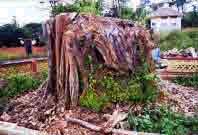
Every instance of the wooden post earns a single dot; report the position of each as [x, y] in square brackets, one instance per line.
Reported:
[28, 46]
[34, 66]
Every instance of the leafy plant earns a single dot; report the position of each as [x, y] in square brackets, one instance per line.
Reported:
[162, 120]
[136, 89]
[93, 100]
[19, 83]
[114, 90]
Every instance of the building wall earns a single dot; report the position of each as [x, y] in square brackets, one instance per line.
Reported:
[166, 24]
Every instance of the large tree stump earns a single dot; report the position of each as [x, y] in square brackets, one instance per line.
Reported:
[72, 37]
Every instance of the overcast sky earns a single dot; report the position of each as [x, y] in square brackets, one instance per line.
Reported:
[25, 11]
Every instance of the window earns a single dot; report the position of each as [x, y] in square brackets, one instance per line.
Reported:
[164, 17]
[173, 16]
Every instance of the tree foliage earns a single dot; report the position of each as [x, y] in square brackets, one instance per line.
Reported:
[179, 40]
[33, 30]
[190, 19]
[9, 35]
[140, 15]
[78, 6]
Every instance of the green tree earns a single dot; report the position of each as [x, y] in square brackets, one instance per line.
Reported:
[86, 6]
[190, 19]
[10, 34]
[33, 30]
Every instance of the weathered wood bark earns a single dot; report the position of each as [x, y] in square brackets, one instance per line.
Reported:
[72, 37]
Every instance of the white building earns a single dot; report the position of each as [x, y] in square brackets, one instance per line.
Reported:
[165, 19]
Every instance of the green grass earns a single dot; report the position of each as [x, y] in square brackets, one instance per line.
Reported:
[5, 56]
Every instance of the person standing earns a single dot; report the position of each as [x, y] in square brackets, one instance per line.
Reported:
[28, 46]
[156, 53]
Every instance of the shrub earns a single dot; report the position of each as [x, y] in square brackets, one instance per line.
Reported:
[19, 83]
[147, 82]
[130, 89]
[161, 120]
[93, 100]
[179, 40]
[115, 89]
[191, 81]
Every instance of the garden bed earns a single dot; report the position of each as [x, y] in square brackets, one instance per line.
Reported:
[22, 110]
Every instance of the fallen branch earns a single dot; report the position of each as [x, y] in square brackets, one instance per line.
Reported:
[12, 129]
[106, 131]
[43, 85]
[115, 118]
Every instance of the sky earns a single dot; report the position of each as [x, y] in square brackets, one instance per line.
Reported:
[26, 11]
